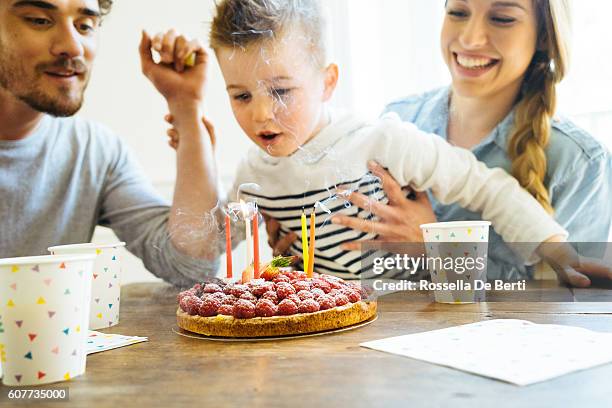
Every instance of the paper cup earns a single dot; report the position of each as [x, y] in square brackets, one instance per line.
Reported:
[457, 259]
[106, 286]
[44, 310]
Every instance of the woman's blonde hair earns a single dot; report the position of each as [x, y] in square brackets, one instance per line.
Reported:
[537, 101]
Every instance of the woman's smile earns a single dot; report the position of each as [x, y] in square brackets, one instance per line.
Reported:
[473, 65]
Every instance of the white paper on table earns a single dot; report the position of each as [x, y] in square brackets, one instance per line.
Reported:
[97, 341]
[516, 351]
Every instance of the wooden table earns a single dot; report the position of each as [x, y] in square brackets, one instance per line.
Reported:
[332, 370]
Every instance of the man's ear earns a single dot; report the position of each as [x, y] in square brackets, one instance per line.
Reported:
[331, 79]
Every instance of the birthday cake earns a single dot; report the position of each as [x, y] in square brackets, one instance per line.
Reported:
[281, 302]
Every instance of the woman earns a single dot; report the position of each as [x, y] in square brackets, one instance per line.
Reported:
[505, 59]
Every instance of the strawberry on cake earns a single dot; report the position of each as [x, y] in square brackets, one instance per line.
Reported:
[282, 302]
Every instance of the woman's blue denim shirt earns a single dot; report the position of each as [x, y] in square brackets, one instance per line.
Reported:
[578, 177]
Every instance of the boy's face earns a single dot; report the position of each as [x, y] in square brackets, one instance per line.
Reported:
[46, 51]
[277, 91]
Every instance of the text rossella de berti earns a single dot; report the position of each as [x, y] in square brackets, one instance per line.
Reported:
[461, 267]
[460, 285]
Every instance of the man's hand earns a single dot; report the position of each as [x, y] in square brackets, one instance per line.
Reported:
[195, 190]
[399, 220]
[170, 76]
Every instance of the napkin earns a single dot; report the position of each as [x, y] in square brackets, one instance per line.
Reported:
[516, 351]
[97, 341]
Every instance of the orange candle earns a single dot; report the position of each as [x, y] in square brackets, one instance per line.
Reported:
[256, 246]
[311, 246]
[228, 245]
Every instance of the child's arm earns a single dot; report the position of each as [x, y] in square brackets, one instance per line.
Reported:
[195, 194]
[453, 174]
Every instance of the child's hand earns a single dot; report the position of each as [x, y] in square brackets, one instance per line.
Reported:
[280, 246]
[170, 77]
[173, 134]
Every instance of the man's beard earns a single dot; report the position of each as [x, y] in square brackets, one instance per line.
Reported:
[15, 80]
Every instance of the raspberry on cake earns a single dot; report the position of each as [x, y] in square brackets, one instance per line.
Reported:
[284, 289]
[287, 307]
[265, 308]
[282, 302]
[212, 288]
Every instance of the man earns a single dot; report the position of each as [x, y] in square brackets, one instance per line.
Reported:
[61, 176]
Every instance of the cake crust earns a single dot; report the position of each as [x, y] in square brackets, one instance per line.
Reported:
[302, 323]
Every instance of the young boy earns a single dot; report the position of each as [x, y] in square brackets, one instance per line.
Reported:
[273, 58]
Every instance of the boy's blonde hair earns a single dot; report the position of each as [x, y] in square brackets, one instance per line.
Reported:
[245, 22]
[537, 102]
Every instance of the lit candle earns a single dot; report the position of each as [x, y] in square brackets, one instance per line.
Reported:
[249, 239]
[311, 245]
[228, 245]
[304, 242]
[256, 246]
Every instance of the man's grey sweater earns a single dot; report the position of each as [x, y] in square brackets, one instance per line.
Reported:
[70, 175]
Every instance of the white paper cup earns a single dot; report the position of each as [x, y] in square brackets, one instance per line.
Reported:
[459, 249]
[106, 286]
[44, 311]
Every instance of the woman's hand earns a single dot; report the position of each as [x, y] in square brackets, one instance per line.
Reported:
[572, 268]
[399, 220]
